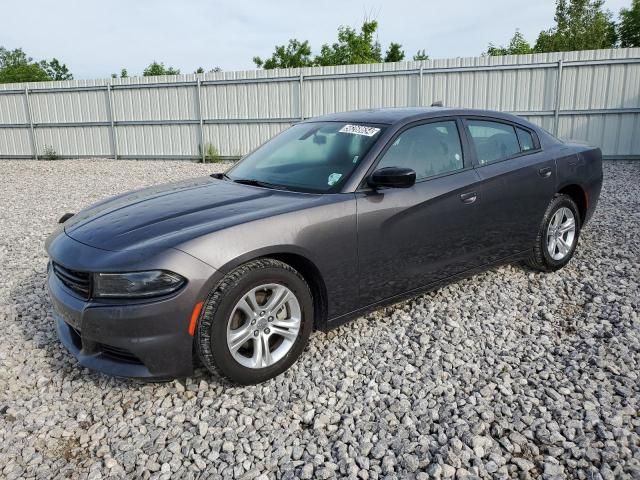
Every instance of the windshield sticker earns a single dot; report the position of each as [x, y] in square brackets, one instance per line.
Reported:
[333, 178]
[360, 130]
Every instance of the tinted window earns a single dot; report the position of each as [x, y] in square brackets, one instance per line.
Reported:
[309, 157]
[493, 141]
[429, 149]
[526, 139]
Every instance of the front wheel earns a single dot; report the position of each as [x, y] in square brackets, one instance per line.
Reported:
[558, 235]
[256, 322]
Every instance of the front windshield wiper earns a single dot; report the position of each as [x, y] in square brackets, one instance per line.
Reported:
[258, 183]
[220, 176]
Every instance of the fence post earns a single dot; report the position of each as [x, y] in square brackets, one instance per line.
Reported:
[300, 97]
[420, 94]
[32, 135]
[558, 99]
[200, 122]
[114, 143]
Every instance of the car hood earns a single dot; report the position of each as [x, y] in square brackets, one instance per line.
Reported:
[167, 215]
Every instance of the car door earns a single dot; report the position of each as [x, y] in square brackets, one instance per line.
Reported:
[411, 237]
[517, 182]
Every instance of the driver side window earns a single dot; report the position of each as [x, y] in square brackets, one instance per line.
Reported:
[429, 149]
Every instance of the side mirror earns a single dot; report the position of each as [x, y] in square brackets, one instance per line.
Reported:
[393, 177]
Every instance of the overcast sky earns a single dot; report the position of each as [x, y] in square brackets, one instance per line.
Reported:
[96, 38]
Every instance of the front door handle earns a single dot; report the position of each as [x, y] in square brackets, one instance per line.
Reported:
[469, 197]
[545, 172]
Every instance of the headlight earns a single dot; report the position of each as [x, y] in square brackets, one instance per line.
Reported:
[136, 284]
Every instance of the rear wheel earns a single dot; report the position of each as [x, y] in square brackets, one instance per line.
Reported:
[558, 235]
[256, 322]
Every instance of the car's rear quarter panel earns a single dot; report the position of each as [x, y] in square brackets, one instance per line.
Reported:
[582, 165]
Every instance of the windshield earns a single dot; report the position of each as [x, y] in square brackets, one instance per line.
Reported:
[309, 157]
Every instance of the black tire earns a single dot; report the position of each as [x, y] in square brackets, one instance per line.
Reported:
[211, 334]
[541, 258]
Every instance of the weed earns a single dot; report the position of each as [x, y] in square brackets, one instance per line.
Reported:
[211, 154]
[50, 153]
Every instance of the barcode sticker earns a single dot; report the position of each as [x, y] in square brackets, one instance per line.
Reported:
[360, 130]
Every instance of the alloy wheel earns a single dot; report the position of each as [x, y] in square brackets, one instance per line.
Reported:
[561, 233]
[263, 325]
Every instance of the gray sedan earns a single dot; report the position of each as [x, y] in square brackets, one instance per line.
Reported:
[335, 216]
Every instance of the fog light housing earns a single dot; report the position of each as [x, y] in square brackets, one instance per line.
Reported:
[152, 283]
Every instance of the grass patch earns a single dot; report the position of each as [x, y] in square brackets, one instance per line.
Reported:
[211, 154]
[50, 153]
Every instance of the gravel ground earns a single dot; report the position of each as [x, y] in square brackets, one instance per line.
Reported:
[510, 373]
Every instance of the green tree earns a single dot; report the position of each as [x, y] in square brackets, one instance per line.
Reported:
[17, 66]
[352, 47]
[56, 70]
[158, 68]
[629, 26]
[420, 55]
[517, 46]
[13, 57]
[394, 53]
[23, 72]
[580, 25]
[213, 70]
[294, 55]
[123, 74]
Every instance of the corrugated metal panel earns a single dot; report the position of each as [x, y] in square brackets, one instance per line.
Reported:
[602, 86]
[173, 103]
[90, 141]
[615, 134]
[147, 140]
[545, 122]
[14, 141]
[257, 100]
[239, 139]
[65, 107]
[13, 110]
[628, 137]
[630, 90]
[56, 84]
[240, 101]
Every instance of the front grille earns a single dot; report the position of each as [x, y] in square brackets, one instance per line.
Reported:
[119, 354]
[78, 282]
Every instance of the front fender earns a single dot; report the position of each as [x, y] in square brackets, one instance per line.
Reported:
[325, 235]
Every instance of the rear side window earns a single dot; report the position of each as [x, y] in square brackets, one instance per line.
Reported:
[493, 141]
[429, 149]
[526, 139]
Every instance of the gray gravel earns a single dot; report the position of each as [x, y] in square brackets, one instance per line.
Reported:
[510, 373]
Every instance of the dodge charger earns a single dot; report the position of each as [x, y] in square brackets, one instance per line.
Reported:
[333, 217]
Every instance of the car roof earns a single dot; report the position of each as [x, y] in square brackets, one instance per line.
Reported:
[401, 115]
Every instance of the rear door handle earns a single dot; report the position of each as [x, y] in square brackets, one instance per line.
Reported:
[545, 172]
[469, 197]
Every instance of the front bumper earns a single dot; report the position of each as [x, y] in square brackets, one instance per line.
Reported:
[143, 339]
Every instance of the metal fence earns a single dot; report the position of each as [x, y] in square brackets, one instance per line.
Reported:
[592, 96]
